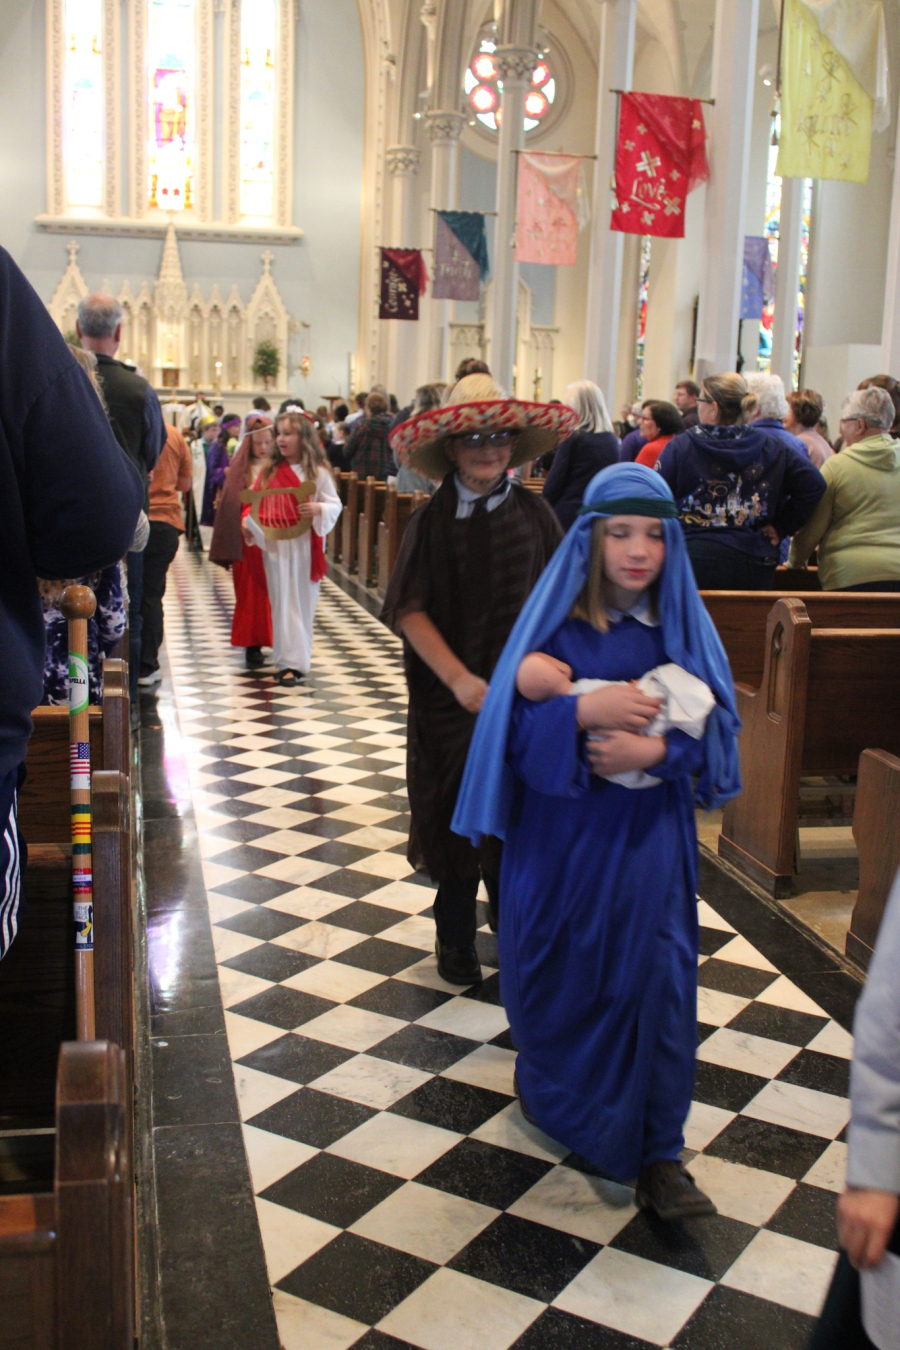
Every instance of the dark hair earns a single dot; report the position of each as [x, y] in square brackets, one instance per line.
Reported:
[807, 406]
[470, 365]
[361, 400]
[291, 402]
[218, 409]
[376, 404]
[892, 386]
[340, 412]
[689, 387]
[262, 404]
[667, 418]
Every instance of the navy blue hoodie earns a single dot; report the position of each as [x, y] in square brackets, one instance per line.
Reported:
[69, 497]
[729, 482]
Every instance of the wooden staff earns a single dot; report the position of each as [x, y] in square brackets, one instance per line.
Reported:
[78, 605]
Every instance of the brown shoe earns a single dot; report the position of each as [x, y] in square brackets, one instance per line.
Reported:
[668, 1189]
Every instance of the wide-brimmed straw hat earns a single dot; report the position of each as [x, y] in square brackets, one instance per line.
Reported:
[476, 405]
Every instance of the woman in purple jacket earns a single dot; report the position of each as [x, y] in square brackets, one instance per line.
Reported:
[739, 490]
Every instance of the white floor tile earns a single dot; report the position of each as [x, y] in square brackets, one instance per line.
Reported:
[374, 836]
[451, 1311]
[704, 1123]
[245, 1034]
[783, 1270]
[271, 1156]
[257, 1091]
[467, 1017]
[509, 1129]
[783, 993]
[585, 1206]
[287, 843]
[394, 1144]
[489, 1067]
[716, 1008]
[351, 1028]
[235, 986]
[743, 953]
[222, 907]
[298, 871]
[306, 1326]
[640, 1298]
[830, 1170]
[800, 1108]
[331, 979]
[391, 866]
[833, 1040]
[747, 1194]
[320, 939]
[710, 919]
[227, 944]
[406, 896]
[307, 903]
[750, 1054]
[425, 1222]
[289, 1238]
[415, 931]
[370, 1081]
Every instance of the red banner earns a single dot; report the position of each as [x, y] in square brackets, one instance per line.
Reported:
[660, 158]
[403, 279]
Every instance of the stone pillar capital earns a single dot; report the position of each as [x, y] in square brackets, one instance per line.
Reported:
[515, 64]
[402, 159]
[444, 127]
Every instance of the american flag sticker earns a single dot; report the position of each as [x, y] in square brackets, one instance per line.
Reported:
[80, 765]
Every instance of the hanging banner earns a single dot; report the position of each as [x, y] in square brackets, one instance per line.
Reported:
[551, 208]
[826, 115]
[460, 255]
[660, 158]
[403, 280]
[758, 284]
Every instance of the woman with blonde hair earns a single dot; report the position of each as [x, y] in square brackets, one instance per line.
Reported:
[592, 446]
[290, 525]
[739, 489]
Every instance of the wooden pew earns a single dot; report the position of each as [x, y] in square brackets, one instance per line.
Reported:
[398, 508]
[66, 1255]
[350, 524]
[741, 618]
[876, 829]
[794, 579]
[369, 520]
[334, 539]
[826, 695]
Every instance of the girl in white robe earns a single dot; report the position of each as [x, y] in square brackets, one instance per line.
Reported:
[294, 566]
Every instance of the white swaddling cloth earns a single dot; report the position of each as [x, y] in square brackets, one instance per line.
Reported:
[686, 704]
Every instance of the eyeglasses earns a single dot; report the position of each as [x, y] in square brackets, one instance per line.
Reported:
[701, 399]
[493, 440]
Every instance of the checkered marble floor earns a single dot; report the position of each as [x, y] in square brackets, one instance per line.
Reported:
[402, 1198]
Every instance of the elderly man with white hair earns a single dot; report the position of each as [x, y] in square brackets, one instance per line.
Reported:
[772, 408]
[856, 526]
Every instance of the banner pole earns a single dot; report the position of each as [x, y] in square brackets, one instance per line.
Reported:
[78, 604]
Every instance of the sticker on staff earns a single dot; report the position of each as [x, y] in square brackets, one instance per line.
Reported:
[80, 765]
[78, 683]
[84, 925]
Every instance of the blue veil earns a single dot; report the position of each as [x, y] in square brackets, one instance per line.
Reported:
[690, 639]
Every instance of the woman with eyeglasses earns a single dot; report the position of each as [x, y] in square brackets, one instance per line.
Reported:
[738, 489]
[469, 559]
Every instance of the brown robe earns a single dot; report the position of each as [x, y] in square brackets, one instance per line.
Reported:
[472, 578]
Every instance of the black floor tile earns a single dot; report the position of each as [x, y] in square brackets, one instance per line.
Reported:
[705, 1247]
[808, 1214]
[357, 1278]
[352, 884]
[342, 855]
[486, 946]
[774, 1148]
[378, 1340]
[245, 857]
[480, 1172]
[711, 939]
[261, 922]
[192, 1081]
[778, 1024]
[332, 1189]
[363, 918]
[424, 1048]
[270, 962]
[731, 1089]
[236, 808]
[488, 991]
[239, 831]
[526, 1257]
[325, 826]
[730, 1320]
[453, 1106]
[283, 1007]
[296, 1058]
[558, 1330]
[397, 998]
[823, 1073]
[731, 978]
[314, 1118]
[504, 1040]
[385, 958]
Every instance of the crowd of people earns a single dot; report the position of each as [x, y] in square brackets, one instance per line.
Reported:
[569, 698]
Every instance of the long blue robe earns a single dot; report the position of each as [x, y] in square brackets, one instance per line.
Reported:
[598, 931]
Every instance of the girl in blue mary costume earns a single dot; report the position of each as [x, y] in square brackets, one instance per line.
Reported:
[598, 930]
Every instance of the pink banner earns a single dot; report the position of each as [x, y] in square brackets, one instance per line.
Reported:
[551, 208]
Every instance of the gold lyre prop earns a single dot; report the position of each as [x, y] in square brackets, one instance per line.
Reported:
[301, 493]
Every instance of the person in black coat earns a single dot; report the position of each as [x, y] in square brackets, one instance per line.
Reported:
[592, 446]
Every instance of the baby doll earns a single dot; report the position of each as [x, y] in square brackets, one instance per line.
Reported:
[685, 702]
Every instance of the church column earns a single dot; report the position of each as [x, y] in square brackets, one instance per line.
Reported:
[890, 332]
[731, 120]
[787, 279]
[616, 65]
[515, 67]
[403, 166]
[444, 130]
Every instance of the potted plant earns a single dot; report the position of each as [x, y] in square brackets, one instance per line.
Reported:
[266, 362]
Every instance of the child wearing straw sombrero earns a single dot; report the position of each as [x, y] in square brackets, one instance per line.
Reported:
[468, 562]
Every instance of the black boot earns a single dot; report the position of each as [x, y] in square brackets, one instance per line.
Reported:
[457, 965]
[254, 657]
[668, 1188]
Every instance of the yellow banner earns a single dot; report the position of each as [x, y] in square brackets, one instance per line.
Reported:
[826, 115]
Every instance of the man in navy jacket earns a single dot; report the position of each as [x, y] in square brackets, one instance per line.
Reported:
[69, 504]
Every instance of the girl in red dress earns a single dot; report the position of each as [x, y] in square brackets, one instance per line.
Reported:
[251, 626]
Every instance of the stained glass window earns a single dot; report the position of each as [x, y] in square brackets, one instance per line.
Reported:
[772, 229]
[641, 327]
[259, 37]
[83, 102]
[484, 88]
[171, 66]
